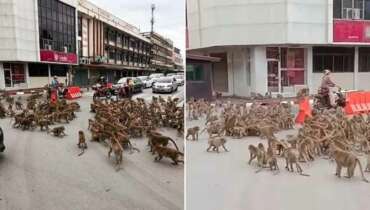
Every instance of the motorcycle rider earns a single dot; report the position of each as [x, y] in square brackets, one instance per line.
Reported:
[327, 87]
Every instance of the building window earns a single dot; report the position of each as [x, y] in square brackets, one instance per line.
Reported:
[351, 9]
[337, 59]
[57, 26]
[364, 59]
[194, 72]
[38, 70]
[14, 74]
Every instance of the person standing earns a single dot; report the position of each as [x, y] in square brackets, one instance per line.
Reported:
[327, 87]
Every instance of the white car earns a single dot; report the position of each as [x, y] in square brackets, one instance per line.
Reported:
[153, 77]
[179, 79]
[165, 85]
[146, 81]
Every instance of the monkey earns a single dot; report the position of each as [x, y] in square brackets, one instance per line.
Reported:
[81, 142]
[116, 147]
[347, 160]
[291, 157]
[266, 132]
[367, 169]
[18, 104]
[2, 146]
[253, 153]
[271, 159]
[57, 131]
[168, 152]
[194, 132]
[215, 143]
[261, 158]
[154, 139]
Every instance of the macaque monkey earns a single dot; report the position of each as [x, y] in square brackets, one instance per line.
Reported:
[215, 143]
[193, 132]
[347, 160]
[291, 157]
[116, 147]
[58, 131]
[81, 142]
[168, 152]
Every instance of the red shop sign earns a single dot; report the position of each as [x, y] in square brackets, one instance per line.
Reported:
[351, 31]
[58, 57]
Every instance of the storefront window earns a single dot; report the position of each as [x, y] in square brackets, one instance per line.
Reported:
[337, 59]
[292, 66]
[364, 59]
[14, 74]
[194, 72]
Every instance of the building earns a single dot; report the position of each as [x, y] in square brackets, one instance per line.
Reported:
[38, 40]
[161, 53]
[282, 45]
[199, 76]
[109, 46]
[178, 61]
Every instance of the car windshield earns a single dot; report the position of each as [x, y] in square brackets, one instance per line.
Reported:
[143, 78]
[154, 76]
[164, 80]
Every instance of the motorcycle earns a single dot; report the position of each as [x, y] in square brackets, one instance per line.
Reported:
[103, 91]
[322, 100]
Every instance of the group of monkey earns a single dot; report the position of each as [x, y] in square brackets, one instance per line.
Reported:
[116, 122]
[329, 134]
[37, 111]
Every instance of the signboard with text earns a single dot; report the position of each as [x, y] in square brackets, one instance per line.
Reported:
[58, 57]
[351, 31]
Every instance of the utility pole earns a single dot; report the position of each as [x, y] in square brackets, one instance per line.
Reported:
[152, 20]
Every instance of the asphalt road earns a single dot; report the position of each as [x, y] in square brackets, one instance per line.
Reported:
[41, 172]
[225, 181]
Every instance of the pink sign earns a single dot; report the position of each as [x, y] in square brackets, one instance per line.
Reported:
[58, 57]
[351, 31]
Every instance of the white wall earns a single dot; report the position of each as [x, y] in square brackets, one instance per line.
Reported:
[344, 80]
[37, 82]
[256, 22]
[238, 65]
[258, 70]
[18, 30]
[363, 80]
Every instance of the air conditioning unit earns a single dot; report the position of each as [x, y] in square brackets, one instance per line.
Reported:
[347, 13]
[65, 49]
[356, 14]
[48, 46]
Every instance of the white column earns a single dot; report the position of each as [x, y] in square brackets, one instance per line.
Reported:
[230, 72]
[2, 77]
[355, 73]
[259, 70]
[49, 74]
[309, 68]
[27, 74]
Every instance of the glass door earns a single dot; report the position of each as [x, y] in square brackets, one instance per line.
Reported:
[273, 76]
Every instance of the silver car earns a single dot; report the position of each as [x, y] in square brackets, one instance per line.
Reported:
[165, 85]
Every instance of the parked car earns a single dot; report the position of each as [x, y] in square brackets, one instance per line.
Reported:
[138, 84]
[146, 81]
[165, 85]
[2, 146]
[153, 77]
[179, 79]
[170, 74]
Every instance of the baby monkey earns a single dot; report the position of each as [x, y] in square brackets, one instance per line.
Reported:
[58, 131]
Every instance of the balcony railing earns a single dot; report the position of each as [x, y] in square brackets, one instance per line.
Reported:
[47, 44]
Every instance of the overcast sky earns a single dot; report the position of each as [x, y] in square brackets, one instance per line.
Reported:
[169, 16]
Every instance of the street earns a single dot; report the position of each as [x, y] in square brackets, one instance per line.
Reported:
[42, 172]
[225, 181]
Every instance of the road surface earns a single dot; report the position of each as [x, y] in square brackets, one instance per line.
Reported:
[41, 172]
[226, 182]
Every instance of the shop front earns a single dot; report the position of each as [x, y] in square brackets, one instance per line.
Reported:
[285, 69]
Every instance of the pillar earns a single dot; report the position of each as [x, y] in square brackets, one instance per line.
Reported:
[309, 68]
[2, 77]
[258, 70]
[355, 73]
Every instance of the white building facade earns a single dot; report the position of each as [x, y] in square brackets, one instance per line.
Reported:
[280, 46]
[37, 40]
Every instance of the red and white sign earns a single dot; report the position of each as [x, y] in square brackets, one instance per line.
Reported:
[58, 57]
[351, 31]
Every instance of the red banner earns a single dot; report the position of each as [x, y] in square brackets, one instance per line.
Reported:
[351, 31]
[58, 57]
